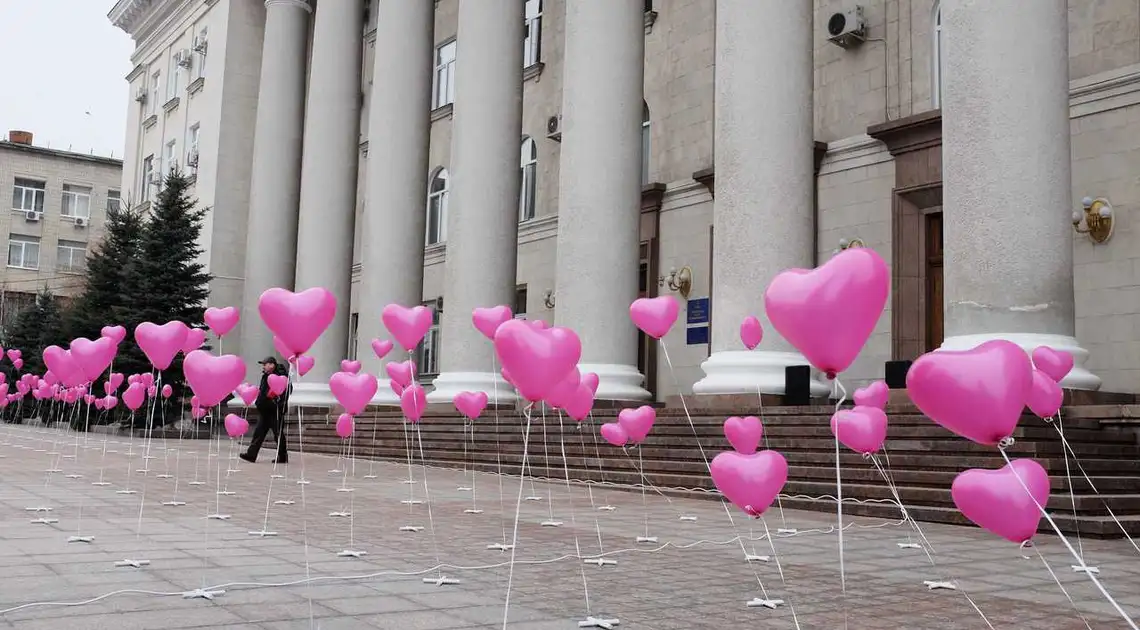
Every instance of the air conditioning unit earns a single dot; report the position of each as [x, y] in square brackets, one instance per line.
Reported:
[32, 215]
[140, 95]
[554, 128]
[847, 29]
[200, 43]
[80, 222]
[183, 58]
[156, 179]
[192, 158]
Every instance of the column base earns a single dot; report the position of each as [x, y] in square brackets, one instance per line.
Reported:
[319, 395]
[617, 382]
[448, 384]
[1078, 378]
[747, 371]
[385, 397]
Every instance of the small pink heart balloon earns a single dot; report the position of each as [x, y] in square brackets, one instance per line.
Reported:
[1056, 364]
[407, 325]
[637, 422]
[161, 343]
[115, 380]
[198, 412]
[580, 404]
[874, 395]
[101, 403]
[152, 391]
[996, 500]
[655, 316]
[89, 399]
[247, 393]
[297, 319]
[134, 396]
[1045, 395]
[352, 367]
[861, 429]
[353, 391]
[146, 379]
[488, 320]
[744, 433]
[345, 425]
[14, 354]
[470, 404]
[613, 433]
[396, 388]
[93, 357]
[236, 426]
[401, 373]
[413, 401]
[62, 365]
[222, 320]
[829, 312]
[561, 393]
[305, 362]
[195, 337]
[381, 347]
[277, 383]
[753, 481]
[212, 378]
[167, 391]
[18, 364]
[590, 380]
[114, 333]
[751, 332]
[536, 359]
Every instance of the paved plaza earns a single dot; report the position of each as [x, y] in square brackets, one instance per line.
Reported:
[279, 553]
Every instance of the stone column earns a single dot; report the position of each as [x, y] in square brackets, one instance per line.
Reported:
[1007, 180]
[482, 222]
[271, 241]
[328, 181]
[762, 213]
[600, 190]
[398, 124]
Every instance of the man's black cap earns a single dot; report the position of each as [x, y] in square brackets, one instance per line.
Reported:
[268, 360]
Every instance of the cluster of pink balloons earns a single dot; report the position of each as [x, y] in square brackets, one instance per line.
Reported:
[632, 427]
[751, 480]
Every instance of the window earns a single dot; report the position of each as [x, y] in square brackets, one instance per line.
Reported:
[644, 143]
[147, 178]
[367, 15]
[444, 75]
[200, 53]
[170, 158]
[24, 252]
[353, 334]
[28, 194]
[76, 202]
[648, 5]
[114, 201]
[172, 78]
[936, 59]
[528, 161]
[192, 146]
[427, 355]
[520, 302]
[436, 231]
[532, 44]
[155, 93]
[71, 257]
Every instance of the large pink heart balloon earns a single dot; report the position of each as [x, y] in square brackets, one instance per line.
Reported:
[381, 347]
[195, 337]
[353, 391]
[744, 433]
[637, 422]
[861, 429]
[134, 396]
[305, 362]
[1056, 364]
[114, 333]
[488, 320]
[212, 378]
[655, 316]
[236, 426]
[277, 383]
[283, 349]
[222, 320]
[613, 433]
[564, 390]
[874, 395]
[751, 332]
[579, 405]
[400, 373]
[62, 364]
[161, 343]
[413, 401]
[752, 482]
[978, 394]
[829, 312]
[297, 319]
[247, 393]
[352, 367]
[996, 500]
[1045, 395]
[536, 359]
[345, 426]
[470, 404]
[93, 357]
[407, 325]
[115, 380]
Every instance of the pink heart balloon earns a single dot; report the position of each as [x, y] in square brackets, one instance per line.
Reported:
[1045, 395]
[996, 500]
[222, 320]
[401, 373]
[978, 394]
[352, 367]
[212, 378]
[353, 391]
[581, 403]
[407, 325]
[590, 380]
[536, 359]
[161, 343]
[753, 481]
[102, 403]
[304, 363]
[751, 332]
[49, 377]
[345, 426]
[195, 401]
[613, 433]
[637, 422]
[561, 393]
[236, 426]
[744, 433]
[3, 377]
[167, 391]
[93, 357]
[381, 347]
[116, 380]
[114, 333]
[277, 383]
[247, 393]
[282, 349]
[655, 316]
[396, 388]
[470, 404]
[89, 399]
[62, 364]
[146, 379]
[488, 320]
[134, 396]
[195, 337]
[874, 395]
[152, 391]
[109, 388]
[14, 354]
[18, 364]
[829, 312]
[1056, 364]
[198, 412]
[297, 319]
[861, 429]
[539, 324]
[413, 401]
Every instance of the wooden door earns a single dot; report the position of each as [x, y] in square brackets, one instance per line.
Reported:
[934, 299]
[647, 287]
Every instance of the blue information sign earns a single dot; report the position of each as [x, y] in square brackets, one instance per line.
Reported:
[697, 335]
[698, 311]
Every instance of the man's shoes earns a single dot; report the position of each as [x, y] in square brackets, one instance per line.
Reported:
[281, 461]
[247, 457]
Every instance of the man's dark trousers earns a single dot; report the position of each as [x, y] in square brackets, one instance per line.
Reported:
[269, 419]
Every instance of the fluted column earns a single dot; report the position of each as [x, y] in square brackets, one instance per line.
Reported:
[271, 240]
[600, 195]
[482, 224]
[398, 124]
[1007, 178]
[328, 181]
[762, 214]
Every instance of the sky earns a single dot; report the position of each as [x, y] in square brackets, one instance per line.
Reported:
[62, 74]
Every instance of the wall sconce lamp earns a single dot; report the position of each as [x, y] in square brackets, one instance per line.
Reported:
[848, 244]
[1097, 217]
[679, 280]
[548, 299]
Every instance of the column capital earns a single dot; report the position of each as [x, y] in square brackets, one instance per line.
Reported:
[296, 4]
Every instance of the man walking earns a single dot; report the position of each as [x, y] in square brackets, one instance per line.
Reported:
[271, 411]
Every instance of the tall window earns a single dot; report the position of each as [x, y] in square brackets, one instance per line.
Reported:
[192, 146]
[169, 158]
[28, 194]
[147, 178]
[936, 59]
[24, 252]
[529, 163]
[200, 49]
[172, 78]
[532, 44]
[520, 301]
[71, 256]
[155, 92]
[644, 143]
[76, 202]
[427, 355]
[648, 5]
[437, 208]
[114, 201]
[444, 74]
[353, 334]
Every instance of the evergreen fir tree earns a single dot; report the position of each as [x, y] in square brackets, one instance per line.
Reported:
[102, 299]
[36, 328]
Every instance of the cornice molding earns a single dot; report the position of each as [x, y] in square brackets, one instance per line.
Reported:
[129, 14]
[296, 4]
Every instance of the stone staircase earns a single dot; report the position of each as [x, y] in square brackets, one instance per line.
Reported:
[923, 457]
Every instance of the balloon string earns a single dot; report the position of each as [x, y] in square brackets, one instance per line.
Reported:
[1069, 479]
[498, 449]
[779, 568]
[518, 511]
[764, 435]
[1064, 591]
[427, 498]
[841, 394]
[744, 550]
[684, 405]
[570, 502]
[639, 466]
[283, 418]
[590, 487]
[1080, 561]
[546, 462]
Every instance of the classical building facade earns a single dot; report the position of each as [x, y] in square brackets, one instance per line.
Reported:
[564, 157]
[59, 204]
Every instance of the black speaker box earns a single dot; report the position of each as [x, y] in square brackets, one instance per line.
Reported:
[797, 385]
[896, 373]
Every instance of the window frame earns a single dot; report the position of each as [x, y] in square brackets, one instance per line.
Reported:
[147, 176]
[353, 335]
[169, 157]
[528, 174]
[116, 195]
[71, 247]
[199, 56]
[532, 41]
[155, 90]
[936, 57]
[38, 200]
[172, 80]
[428, 350]
[193, 135]
[646, 142]
[70, 192]
[443, 74]
[440, 199]
[24, 242]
